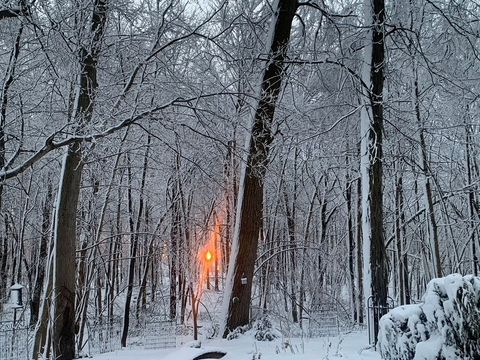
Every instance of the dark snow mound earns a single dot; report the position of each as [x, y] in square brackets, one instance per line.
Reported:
[446, 326]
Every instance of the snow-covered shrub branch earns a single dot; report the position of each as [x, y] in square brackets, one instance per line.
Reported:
[445, 326]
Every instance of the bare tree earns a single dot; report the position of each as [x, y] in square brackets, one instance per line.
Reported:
[249, 207]
[374, 254]
[64, 233]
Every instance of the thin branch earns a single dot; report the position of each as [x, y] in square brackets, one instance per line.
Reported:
[50, 145]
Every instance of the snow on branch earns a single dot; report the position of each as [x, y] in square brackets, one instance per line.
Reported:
[50, 144]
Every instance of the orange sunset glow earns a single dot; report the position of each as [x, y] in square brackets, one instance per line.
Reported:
[209, 254]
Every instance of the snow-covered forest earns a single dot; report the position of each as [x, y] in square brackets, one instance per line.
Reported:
[223, 163]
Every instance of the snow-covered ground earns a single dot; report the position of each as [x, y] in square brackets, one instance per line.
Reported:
[346, 347]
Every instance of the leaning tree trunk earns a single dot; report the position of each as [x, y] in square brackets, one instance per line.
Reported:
[375, 264]
[63, 337]
[250, 202]
[64, 232]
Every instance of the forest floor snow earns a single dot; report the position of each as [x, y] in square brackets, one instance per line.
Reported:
[352, 346]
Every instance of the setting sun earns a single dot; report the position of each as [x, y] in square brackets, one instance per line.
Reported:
[208, 256]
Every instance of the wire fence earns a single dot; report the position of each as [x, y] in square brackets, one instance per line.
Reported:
[15, 338]
[374, 313]
[152, 333]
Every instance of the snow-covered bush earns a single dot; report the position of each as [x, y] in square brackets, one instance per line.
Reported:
[264, 330]
[400, 332]
[237, 332]
[446, 326]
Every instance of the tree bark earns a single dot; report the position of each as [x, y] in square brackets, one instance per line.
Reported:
[250, 202]
[375, 265]
[64, 235]
[63, 337]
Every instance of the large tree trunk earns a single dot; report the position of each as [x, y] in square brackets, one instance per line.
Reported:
[250, 202]
[64, 234]
[63, 337]
[375, 264]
